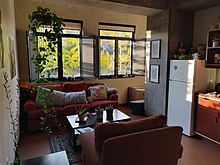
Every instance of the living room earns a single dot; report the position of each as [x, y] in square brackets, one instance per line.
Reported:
[14, 23]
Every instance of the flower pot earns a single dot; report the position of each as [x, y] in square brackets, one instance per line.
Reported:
[109, 114]
[99, 115]
[81, 117]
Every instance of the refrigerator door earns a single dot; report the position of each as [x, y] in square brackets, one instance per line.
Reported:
[182, 70]
[180, 107]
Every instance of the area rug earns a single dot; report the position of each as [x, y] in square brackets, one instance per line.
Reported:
[63, 142]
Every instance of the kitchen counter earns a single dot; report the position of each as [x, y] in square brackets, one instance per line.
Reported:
[209, 101]
[208, 117]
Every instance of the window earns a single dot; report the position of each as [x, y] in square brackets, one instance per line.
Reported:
[74, 57]
[115, 49]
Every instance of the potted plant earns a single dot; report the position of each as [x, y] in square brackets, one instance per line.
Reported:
[99, 113]
[109, 111]
[46, 28]
[81, 111]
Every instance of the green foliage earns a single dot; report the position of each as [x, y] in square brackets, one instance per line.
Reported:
[98, 109]
[81, 109]
[71, 58]
[109, 107]
[47, 28]
[42, 20]
[107, 54]
[115, 33]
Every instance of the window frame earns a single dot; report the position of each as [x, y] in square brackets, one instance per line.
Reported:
[59, 52]
[116, 75]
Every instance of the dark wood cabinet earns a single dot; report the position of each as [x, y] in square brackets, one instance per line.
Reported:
[208, 118]
[213, 49]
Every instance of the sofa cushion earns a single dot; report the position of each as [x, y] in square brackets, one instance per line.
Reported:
[33, 92]
[74, 86]
[53, 97]
[58, 98]
[98, 92]
[112, 91]
[75, 98]
[108, 130]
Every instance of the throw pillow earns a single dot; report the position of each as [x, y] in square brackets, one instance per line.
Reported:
[98, 92]
[112, 91]
[108, 130]
[53, 98]
[58, 98]
[75, 98]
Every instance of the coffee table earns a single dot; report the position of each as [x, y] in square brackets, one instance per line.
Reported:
[118, 116]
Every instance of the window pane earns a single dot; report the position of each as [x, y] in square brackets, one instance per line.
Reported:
[107, 57]
[72, 28]
[71, 57]
[87, 63]
[124, 57]
[43, 28]
[139, 57]
[51, 68]
[115, 33]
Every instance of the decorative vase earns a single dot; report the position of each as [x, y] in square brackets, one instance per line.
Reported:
[109, 114]
[99, 115]
[81, 117]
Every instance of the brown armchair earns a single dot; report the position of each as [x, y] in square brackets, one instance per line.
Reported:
[150, 143]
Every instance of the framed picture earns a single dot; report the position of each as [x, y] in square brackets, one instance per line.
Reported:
[154, 73]
[155, 49]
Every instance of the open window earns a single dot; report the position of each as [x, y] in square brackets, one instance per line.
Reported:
[74, 58]
[139, 57]
[120, 55]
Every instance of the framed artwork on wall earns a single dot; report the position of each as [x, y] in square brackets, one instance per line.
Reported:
[154, 73]
[155, 47]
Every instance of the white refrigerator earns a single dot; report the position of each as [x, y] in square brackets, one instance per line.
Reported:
[186, 77]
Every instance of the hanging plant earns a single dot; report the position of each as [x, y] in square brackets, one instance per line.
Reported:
[47, 29]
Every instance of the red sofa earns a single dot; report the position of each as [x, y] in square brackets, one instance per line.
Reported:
[35, 113]
[146, 141]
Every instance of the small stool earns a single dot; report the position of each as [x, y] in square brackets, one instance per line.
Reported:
[137, 107]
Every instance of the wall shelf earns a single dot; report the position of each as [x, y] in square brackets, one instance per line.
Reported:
[212, 50]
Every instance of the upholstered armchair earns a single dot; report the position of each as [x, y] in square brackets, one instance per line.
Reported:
[143, 142]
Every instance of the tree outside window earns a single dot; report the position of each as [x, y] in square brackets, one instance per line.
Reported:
[115, 53]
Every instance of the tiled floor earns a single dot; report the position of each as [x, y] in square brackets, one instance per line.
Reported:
[197, 151]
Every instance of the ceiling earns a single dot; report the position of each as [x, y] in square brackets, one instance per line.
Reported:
[195, 5]
[140, 7]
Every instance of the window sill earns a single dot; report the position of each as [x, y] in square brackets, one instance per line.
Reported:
[119, 77]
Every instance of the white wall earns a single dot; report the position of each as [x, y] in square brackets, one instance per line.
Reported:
[204, 19]
[202, 23]
[91, 17]
[8, 29]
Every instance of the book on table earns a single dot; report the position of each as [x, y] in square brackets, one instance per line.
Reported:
[86, 129]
